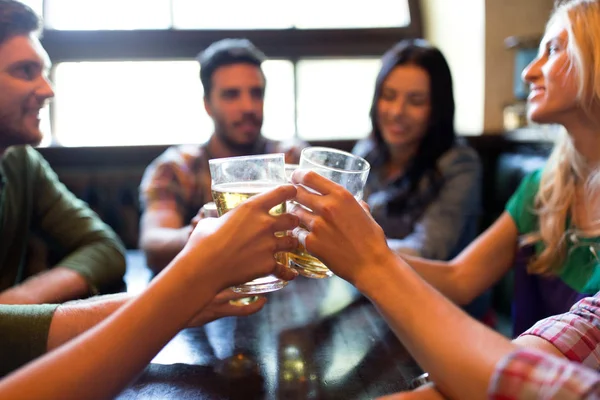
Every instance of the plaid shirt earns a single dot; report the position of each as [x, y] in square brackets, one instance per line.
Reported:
[179, 179]
[531, 374]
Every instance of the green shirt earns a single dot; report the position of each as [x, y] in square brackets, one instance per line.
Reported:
[33, 200]
[581, 269]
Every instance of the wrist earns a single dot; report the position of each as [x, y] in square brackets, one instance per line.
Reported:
[378, 270]
[197, 269]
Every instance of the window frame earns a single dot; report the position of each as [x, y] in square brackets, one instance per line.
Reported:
[174, 44]
[291, 44]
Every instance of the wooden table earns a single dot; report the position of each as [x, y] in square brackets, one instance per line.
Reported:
[314, 339]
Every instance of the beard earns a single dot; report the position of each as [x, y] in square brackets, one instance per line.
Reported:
[233, 145]
[13, 132]
[228, 139]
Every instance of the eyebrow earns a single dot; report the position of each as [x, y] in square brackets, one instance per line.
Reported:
[31, 62]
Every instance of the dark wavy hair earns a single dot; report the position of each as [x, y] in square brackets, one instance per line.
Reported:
[227, 52]
[16, 19]
[440, 135]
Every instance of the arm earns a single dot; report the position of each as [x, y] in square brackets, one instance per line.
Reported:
[56, 285]
[101, 361]
[347, 239]
[477, 267]
[74, 318]
[95, 256]
[162, 235]
[452, 216]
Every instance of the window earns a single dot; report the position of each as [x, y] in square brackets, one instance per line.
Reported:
[125, 77]
[152, 102]
[334, 98]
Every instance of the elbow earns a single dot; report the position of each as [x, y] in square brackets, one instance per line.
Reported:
[460, 291]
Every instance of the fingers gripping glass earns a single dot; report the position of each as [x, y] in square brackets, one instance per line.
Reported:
[236, 179]
[343, 168]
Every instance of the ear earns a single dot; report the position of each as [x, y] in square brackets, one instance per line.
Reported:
[207, 106]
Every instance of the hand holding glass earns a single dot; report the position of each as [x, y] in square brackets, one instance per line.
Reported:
[234, 180]
[343, 168]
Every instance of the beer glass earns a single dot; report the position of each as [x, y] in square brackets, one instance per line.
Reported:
[343, 168]
[234, 180]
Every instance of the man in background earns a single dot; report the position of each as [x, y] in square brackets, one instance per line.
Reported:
[177, 184]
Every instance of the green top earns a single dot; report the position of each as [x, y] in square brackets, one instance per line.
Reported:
[581, 269]
[32, 199]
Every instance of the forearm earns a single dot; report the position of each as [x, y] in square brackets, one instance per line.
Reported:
[73, 318]
[53, 286]
[161, 245]
[442, 275]
[436, 337]
[107, 348]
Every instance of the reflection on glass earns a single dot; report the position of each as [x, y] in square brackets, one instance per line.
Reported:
[344, 111]
[108, 14]
[152, 102]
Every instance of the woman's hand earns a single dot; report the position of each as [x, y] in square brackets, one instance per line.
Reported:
[240, 245]
[221, 307]
[341, 233]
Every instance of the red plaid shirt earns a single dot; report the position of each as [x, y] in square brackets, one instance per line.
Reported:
[531, 374]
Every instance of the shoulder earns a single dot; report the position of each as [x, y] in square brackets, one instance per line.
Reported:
[178, 157]
[364, 147]
[291, 147]
[21, 154]
[459, 157]
[23, 160]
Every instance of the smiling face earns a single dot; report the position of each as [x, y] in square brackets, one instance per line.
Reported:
[404, 106]
[24, 90]
[553, 80]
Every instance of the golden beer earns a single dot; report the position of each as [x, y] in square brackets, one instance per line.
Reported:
[309, 266]
[227, 196]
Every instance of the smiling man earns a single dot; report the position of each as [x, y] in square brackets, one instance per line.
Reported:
[177, 184]
[32, 200]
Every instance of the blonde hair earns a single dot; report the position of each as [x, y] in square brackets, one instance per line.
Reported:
[566, 168]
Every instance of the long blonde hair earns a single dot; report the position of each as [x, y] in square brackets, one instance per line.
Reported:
[566, 168]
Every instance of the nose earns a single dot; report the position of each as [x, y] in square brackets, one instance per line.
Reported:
[533, 71]
[44, 90]
[398, 107]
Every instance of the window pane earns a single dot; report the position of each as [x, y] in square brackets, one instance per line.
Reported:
[233, 14]
[341, 14]
[108, 14]
[150, 102]
[274, 14]
[334, 98]
[279, 110]
[45, 127]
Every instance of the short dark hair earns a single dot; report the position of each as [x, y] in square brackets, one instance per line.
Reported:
[16, 18]
[226, 52]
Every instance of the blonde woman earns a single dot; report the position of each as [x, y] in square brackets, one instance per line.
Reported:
[556, 210]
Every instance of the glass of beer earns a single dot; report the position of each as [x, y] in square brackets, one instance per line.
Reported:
[343, 168]
[236, 179]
